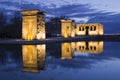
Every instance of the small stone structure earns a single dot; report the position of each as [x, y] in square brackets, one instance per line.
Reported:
[67, 28]
[89, 29]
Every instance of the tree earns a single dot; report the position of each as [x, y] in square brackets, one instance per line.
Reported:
[15, 26]
[53, 26]
[2, 20]
[2, 24]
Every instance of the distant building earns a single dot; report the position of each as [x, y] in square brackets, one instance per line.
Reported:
[33, 25]
[67, 28]
[89, 29]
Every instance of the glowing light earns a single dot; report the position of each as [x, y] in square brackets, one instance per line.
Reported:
[30, 28]
[67, 51]
[89, 29]
[33, 57]
[90, 47]
[67, 28]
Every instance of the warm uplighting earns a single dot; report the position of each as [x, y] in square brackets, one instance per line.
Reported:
[30, 38]
[89, 29]
[33, 25]
[73, 33]
[41, 36]
[67, 28]
[80, 47]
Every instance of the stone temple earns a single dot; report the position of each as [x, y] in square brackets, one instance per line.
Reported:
[33, 27]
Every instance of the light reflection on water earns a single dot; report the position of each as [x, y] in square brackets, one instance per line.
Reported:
[74, 59]
[34, 55]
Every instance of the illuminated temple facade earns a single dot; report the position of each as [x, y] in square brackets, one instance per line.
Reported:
[69, 30]
[89, 29]
[33, 25]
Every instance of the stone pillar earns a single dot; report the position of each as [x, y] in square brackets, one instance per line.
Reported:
[101, 29]
[33, 25]
[41, 25]
[67, 28]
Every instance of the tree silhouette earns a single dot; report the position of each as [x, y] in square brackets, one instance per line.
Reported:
[12, 29]
[2, 24]
[53, 26]
[16, 25]
[2, 19]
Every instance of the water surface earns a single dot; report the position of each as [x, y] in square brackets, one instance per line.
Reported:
[96, 60]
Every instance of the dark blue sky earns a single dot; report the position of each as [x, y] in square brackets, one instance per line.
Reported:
[106, 12]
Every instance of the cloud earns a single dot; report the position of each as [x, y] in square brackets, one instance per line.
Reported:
[105, 5]
[81, 20]
[9, 13]
[14, 6]
[82, 11]
[10, 7]
[49, 15]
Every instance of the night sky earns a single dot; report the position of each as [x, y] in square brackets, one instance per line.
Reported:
[106, 12]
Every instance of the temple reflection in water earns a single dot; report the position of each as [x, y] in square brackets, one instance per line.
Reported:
[67, 51]
[33, 57]
[81, 47]
[89, 47]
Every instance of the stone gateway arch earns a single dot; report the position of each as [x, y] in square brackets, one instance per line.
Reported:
[33, 25]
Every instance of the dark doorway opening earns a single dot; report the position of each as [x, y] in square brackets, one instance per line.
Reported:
[87, 29]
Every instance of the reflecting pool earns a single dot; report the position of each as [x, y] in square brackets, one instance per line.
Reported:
[93, 60]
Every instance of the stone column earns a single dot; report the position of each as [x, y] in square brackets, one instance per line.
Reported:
[67, 28]
[33, 25]
[41, 25]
